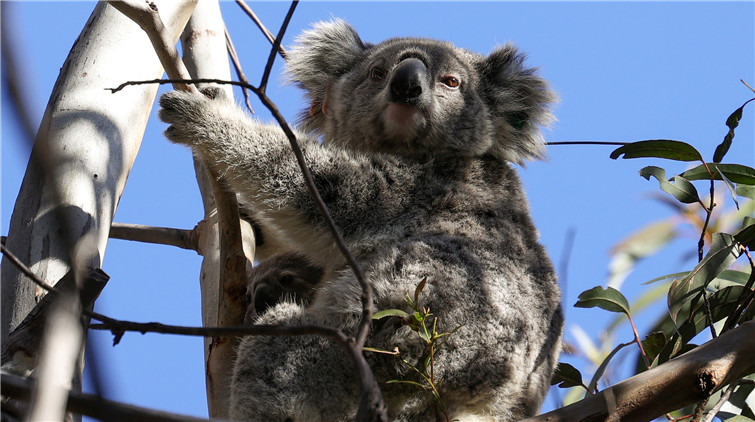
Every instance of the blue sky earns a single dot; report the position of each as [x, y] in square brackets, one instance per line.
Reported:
[624, 71]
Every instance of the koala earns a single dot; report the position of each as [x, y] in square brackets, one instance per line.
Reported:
[287, 276]
[411, 144]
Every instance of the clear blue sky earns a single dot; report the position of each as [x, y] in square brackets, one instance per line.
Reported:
[624, 72]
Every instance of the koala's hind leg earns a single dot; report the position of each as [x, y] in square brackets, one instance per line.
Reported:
[284, 277]
[296, 378]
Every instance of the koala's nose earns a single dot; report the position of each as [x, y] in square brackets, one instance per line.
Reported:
[407, 81]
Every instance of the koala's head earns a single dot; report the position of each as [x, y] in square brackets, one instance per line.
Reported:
[415, 96]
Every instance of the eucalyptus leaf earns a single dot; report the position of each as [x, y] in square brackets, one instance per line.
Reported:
[722, 303]
[593, 385]
[666, 277]
[681, 188]
[654, 343]
[723, 252]
[390, 312]
[646, 299]
[746, 191]
[419, 289]
[608, 299]
[658, 148]
[731, 122]
[732, 188]
[746, 236]
[736, 173]
[566, 376]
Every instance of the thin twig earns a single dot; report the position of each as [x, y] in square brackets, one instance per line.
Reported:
[371, 406]
[745, 300]
[585, 143]
[269, 35]
[276, 46]
[237, 66]
[724, 398]
[639, 342]
[26, 270]
[119, 327]
[187, 81]
[700, 245]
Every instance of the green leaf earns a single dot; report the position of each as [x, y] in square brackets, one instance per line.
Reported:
[666, 277]
[731, 122]
[746, 236]
[722, 303]
[608, 299]
[746, 191]
[593, 385]
[659, 148]
[681, 189]
[567, 376]
[723, 252]
[732, 189]
[646, 299]
[736, 173]
[654, 343]
[419, 289]
[390, 312]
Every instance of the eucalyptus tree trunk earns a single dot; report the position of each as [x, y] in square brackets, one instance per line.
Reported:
[84, 149]
[220, 243]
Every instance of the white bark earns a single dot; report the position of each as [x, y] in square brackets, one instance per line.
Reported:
[84, 149]
[88, 138]
[205, 55]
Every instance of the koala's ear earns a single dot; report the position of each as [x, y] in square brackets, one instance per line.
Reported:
[320, 54]
[518, 101]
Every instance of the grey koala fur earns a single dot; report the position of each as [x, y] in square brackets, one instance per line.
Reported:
[417, 136]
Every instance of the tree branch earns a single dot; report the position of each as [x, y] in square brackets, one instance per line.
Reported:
[19, 388]
[185, 239]
[146, 15]
[269, 35]
[677, 383]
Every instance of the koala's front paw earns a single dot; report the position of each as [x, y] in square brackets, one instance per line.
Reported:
[190, 115]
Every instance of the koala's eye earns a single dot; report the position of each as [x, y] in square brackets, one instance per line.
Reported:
[377, 73]
[450, 81]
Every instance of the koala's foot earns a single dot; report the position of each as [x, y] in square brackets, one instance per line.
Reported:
[191, 115]
[288, 276]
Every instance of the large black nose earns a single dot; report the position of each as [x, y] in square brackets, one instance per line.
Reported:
[408, 81]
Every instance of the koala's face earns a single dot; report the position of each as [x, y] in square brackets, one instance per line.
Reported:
[419, 97]
[408, 96]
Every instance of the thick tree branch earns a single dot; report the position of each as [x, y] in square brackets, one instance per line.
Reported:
[146, 15]
[677, 383]
[185, 239]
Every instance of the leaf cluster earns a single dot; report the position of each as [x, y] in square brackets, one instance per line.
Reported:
[717, 293]
[424, 323]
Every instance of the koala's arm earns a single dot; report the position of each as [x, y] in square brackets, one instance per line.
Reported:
[256, 160]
